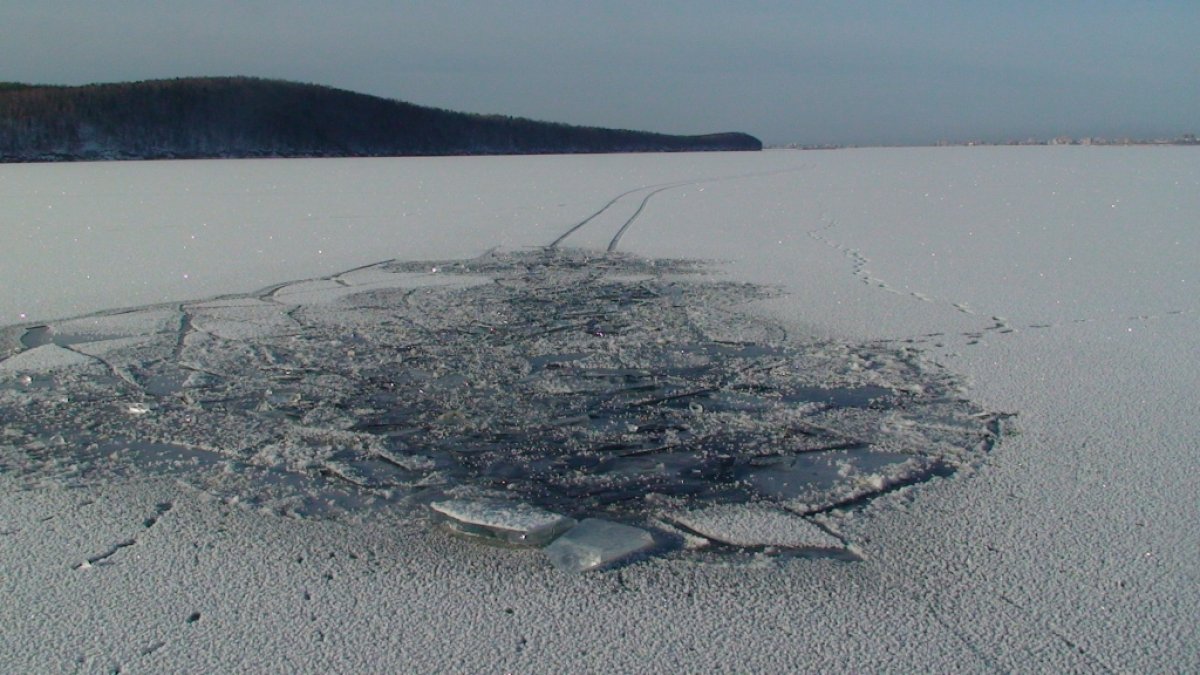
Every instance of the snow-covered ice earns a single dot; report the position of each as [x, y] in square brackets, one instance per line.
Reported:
[755, 526]
[1050, 291]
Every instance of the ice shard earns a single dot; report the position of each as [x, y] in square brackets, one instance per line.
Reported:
[500, 522]
[594, 543]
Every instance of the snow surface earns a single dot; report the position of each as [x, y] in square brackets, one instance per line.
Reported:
[1059, 282]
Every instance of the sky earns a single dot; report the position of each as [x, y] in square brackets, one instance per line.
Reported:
[802, 72]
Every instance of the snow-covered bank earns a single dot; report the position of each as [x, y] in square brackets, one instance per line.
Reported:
[1058, 281]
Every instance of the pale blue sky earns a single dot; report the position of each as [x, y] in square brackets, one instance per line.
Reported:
[807, 72]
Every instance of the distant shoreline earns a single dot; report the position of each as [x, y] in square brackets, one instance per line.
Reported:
[1062, 141]
[241, 117]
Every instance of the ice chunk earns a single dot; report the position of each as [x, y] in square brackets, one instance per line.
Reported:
[594, 542]
[112, 326]
[241, 319]
[138, 408]
[511, 523]
[106, 347]
[46, 358]
[755, 525]
[818, 480]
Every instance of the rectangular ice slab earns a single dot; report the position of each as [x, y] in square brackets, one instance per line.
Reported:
[511, 523]
[593, 543]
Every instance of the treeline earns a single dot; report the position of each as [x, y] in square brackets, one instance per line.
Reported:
[249, 117]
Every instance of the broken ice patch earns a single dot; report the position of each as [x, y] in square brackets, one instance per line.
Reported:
[577, 386]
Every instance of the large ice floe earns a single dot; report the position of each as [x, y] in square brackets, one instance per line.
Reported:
[600, 406]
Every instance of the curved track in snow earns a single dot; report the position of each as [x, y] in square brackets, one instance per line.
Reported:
[655, 189]
[613, 202]
[612, 245]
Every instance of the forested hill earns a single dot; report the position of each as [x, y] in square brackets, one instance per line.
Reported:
[248, 117]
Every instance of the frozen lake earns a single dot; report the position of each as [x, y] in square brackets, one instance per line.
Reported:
[891, 306]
